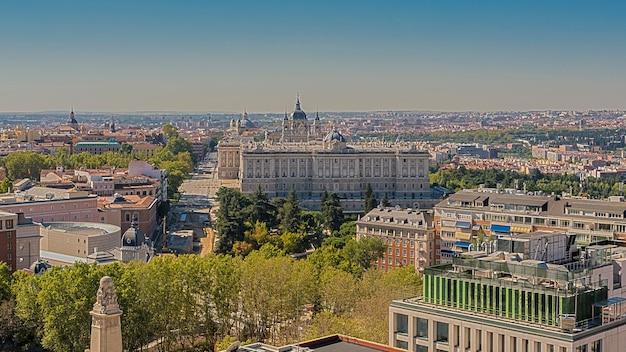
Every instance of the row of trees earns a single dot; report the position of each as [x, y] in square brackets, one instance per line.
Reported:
[248, 223]
[603, 137]
[461, 178]
[189, 300]
[175, 156]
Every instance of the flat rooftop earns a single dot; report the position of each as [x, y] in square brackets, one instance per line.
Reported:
[82, 228]
[324, 344]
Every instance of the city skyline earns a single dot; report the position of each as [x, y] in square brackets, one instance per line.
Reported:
[348, 56]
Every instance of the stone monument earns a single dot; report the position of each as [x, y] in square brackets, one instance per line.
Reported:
[106, 328]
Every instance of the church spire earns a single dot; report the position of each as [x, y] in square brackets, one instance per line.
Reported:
[298, 102]
[71, 120]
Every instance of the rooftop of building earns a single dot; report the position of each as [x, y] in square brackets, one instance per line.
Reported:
[41, 194]
[87, 229]
[97, 144]
[119, 201]
[250, 146]
[519, 201]
[539, 260]
[324, 344]
[397, 216]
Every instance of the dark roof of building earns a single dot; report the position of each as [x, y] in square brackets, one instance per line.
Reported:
[325, 344]
[346, 344]
[133, 237]
[297, 113]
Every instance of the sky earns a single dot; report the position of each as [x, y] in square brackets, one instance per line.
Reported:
[209, 56]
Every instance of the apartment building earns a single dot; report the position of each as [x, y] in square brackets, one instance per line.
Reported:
[507, 301]
[97, 147]
[469, 219]
[124, 210]
[8, 226]
[27, 243]
[408, 234]
[140, 178]
[43, 204]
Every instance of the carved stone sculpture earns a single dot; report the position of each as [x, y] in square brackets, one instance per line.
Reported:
[106, 299]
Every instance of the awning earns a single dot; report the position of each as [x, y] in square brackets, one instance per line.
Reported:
[520, 229]
[462, 244]
[463, 224]
[447, 251]
[462, 235]
[476, 227]
[500, 228]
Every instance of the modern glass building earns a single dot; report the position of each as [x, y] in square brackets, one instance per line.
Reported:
[507, 301]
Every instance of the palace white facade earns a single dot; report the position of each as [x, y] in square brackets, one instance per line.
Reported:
[312, 163]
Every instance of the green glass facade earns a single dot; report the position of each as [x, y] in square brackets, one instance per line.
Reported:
[536, 304]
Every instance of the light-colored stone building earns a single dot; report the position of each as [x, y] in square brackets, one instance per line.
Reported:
[64, 243]
[313, 163]
[408, 234]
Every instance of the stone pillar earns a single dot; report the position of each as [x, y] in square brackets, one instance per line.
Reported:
[106, 328]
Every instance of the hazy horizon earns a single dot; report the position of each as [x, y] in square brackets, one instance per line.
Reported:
[349, 56]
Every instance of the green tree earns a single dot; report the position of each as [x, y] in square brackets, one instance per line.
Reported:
[24, 164]
[136, 329]
[65, 299]
[178, 144]
[385, 201]
[26, 288]
[273, 294]
[290, 213]
[332, 212]
[261, 208]
[170, 130]
[213, 143]
[348, 229]
[365, 251]
[5, 282]
[9, 322]
[337, 289]
[369, 199]
[62, 157]
[126, 148]
[293, 242]
[230, 225]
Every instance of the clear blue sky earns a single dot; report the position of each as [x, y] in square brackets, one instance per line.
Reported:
[340, 55]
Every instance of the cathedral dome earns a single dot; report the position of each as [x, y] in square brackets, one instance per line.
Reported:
[246, 123]
[39, 267]
[334, 135]
[133, 237]
[298, 114]
[71, 120]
